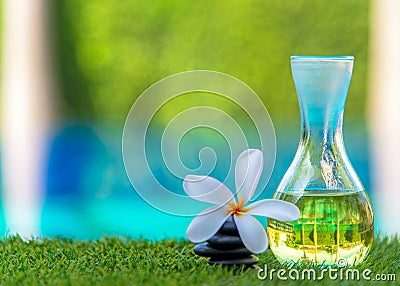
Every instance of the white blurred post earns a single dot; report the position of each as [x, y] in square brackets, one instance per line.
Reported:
[26, 103]
[384, 112]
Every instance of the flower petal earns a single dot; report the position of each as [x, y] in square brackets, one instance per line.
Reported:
[276, 209]
[207, 223]
[207, 189]
[252, 233]
[248, 170]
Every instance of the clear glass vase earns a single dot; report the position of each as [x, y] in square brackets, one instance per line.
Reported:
[336, 220]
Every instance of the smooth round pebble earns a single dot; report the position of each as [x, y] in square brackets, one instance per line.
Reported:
[221, 241]
[208, 251]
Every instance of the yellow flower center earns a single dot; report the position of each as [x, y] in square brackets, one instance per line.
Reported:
[237, 209]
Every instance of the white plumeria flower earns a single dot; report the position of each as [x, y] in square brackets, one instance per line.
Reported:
[247, 174]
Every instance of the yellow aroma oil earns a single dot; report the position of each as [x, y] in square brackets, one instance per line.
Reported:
[331, 227]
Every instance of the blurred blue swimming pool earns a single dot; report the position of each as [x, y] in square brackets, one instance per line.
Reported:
[88, 194]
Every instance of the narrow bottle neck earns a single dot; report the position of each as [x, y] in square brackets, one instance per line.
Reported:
[321, 128]
[322, 86]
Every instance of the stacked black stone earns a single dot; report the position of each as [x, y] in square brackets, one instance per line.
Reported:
[226, 247]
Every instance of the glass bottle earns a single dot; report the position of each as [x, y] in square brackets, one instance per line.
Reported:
[336, 221]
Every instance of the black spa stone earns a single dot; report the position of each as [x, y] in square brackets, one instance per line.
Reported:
[207, 251]
[226, 247]
[229, 227]
[221, 241]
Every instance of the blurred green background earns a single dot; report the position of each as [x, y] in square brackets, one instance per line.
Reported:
[108, 52]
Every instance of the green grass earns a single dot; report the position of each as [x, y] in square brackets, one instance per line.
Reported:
[123, 261]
